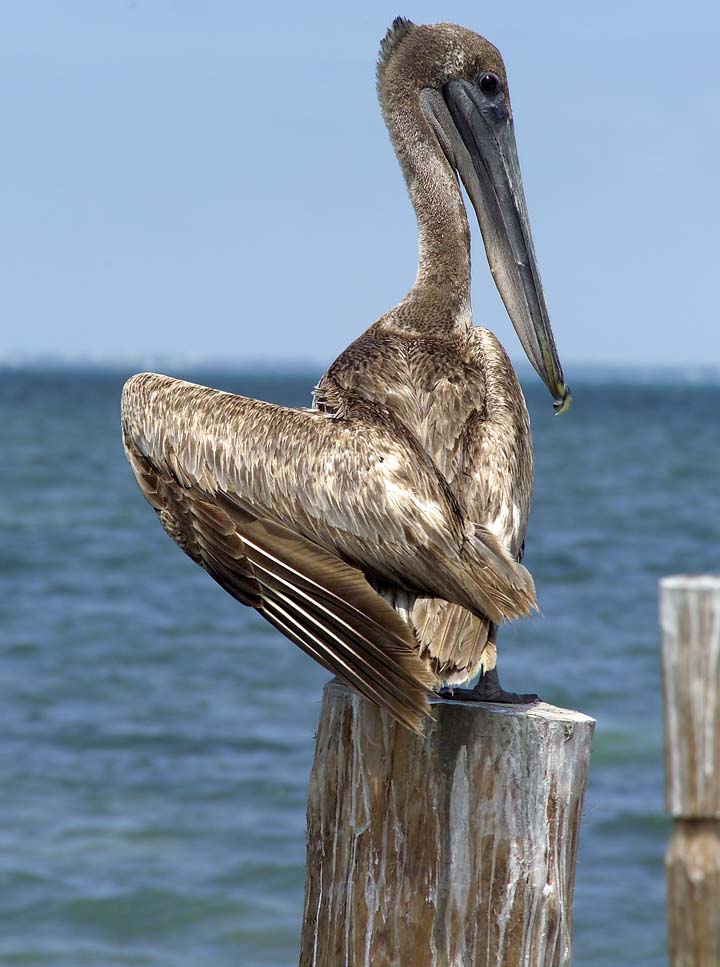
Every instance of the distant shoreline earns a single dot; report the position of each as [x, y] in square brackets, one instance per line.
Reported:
[577, 373]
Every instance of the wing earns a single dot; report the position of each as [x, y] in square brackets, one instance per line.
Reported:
[495, 474]
[314, 598]
[258, 495]
[482, 441]
[462, 401]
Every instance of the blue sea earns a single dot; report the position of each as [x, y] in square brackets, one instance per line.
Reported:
[156, 737]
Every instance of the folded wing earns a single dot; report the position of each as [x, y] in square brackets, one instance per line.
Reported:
[286, 509]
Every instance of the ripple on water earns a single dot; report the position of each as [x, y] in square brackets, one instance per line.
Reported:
[157, 737]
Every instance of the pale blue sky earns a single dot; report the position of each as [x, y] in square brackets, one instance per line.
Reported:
[207, 181]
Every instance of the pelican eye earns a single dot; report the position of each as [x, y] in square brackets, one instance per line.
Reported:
[489, 83]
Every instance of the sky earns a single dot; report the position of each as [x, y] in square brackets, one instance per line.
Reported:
[212, 181]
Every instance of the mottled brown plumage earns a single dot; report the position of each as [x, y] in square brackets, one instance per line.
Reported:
[380, 530]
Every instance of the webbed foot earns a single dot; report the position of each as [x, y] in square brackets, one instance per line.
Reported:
[488, 689]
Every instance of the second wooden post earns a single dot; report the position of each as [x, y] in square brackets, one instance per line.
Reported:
[690, 625]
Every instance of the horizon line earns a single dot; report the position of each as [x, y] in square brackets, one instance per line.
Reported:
[263, 365]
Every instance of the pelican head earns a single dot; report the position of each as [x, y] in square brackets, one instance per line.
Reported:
[450, 85]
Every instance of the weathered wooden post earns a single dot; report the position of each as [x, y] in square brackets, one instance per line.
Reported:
[690, 626]
[453, 850]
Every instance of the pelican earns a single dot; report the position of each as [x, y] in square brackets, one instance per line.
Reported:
[382, 529]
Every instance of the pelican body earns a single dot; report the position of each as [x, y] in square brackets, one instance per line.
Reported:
[382, 530]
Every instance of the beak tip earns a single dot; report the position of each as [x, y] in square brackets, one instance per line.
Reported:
[562, 403]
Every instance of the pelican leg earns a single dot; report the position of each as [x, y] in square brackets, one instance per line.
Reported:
[488, 689]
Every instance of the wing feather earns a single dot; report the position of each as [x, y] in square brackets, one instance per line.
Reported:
[465, 406]
[316, 599]
[487, 459]
[331, 607]
[404, 526]
[258, 495]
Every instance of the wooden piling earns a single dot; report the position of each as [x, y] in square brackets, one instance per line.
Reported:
[690, 629]
[453, 850]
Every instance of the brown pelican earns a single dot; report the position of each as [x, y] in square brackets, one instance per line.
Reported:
[382, 530]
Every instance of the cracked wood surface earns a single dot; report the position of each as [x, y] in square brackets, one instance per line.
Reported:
[453, 850]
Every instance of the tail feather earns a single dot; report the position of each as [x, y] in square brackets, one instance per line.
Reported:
[459, 643]
[497, 586]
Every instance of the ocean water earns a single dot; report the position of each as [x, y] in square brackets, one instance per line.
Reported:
[156, 737]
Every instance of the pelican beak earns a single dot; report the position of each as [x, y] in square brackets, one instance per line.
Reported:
[475, 129]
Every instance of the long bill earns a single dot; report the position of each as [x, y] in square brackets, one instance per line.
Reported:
[476, 132]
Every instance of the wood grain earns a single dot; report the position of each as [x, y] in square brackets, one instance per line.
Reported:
[457, 848]
[692, 862]
[690, 626]
[690, 629]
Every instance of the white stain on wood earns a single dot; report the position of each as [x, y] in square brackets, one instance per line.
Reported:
[453, 849]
